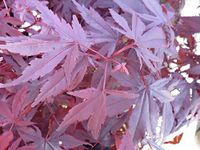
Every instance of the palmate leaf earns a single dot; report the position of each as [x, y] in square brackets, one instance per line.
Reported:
[72, 41]
[106, 33]
[188, 25]
[144, 7]
[144, 117]
[139, 33]
[137, 119]
[5, 20]
[30, 46]
[71, 60]
[143, 38]
[119, 101]
[16, 143]
[39, 67]
[59, 25]
[155, 8]
[62, 78]
[116, 105]
[65, 30]
[194, 70]
[63, 63]
[93, 107]
[96, 106]
[13, 115]
[59, 82]
[54, 85]
[168, 120]
[160, 90]
[6, 139]
[101, 31]
[126, 142]
[34, 136]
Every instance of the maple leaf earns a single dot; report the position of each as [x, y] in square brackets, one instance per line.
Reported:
[181, 101]
[194, 70]
[5, 139]
[121, 67]
[101, 31]
[112, 125]
[63, 8]
[66, 48]
[139, 32]
[64, 61]
[126, 142]
[188, 25]
[48, 143]
[96, 22]
[143, 38]
[182, 105]
[30, 46]
[119, 101]
[6, 70]
[93, 108]
[58, 83]
[96, 106]
[64, 29]
[160, 91]
[39, 67]
[4, 24]
[168, 120]
[16, 143]
[161, 14]
[143, 118]
[13, 116]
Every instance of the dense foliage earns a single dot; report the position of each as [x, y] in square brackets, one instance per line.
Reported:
[96, 74]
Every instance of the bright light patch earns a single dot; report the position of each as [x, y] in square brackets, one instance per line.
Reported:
[173, 67]
[21, 30]
[36, 28]
[60, 142]
[186, 67]
[184, 74]
[175, 92]
[197, 49]
[34, 13]
[64, 106]
[26, 24]
[191, 8]
[198, 81]
[189, 80]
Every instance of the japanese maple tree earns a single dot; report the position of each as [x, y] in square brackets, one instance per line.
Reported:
[96, 74]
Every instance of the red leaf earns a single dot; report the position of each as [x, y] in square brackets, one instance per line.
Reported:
[188, 26]
[92, 108]
[5, 139]
[126, 142]
[175, 140]
[13, 114]
[32, 46]
[194, 70]
[19, 100]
